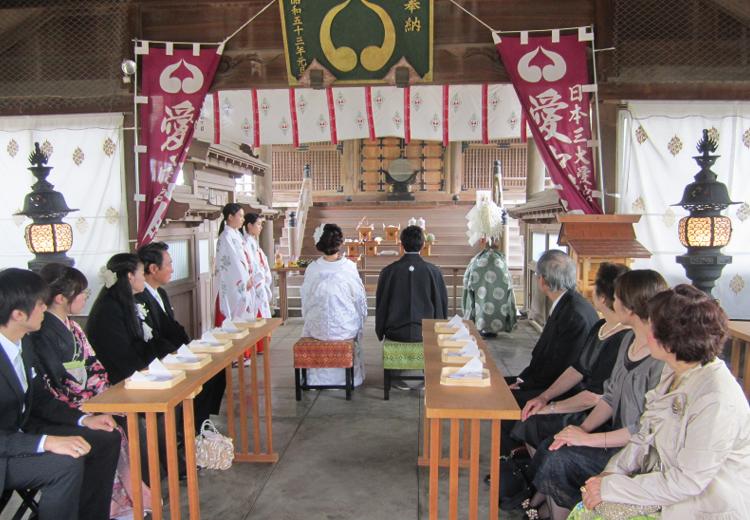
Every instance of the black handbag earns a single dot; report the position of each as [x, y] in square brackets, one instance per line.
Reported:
[516, 479]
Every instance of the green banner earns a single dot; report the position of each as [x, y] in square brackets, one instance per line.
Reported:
[357, 40]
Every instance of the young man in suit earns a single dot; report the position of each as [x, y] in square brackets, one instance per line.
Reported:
[409, 290]
[167, 331]
[44, 443]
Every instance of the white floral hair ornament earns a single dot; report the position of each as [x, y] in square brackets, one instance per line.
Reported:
[108, 277]
[318, 233]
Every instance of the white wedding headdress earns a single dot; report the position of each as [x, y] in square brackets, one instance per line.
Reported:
[318, 233]
[108, 277]
[485, 220]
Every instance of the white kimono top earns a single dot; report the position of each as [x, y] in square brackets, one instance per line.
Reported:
[334, 306]
[233, 274]
[262, 278]
[692, 452]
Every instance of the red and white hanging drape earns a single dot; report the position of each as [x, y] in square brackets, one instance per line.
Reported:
[174, 82]
[300, 115]
[550, 74]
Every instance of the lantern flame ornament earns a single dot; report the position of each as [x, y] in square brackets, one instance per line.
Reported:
[705, 231]
[48, 237]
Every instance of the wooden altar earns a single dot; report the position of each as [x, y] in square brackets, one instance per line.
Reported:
[594, 239]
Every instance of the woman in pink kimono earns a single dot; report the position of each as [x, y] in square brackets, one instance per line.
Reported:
[70, 369]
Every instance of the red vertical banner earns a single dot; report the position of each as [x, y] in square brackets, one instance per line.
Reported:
[174, 83]
[550, 75]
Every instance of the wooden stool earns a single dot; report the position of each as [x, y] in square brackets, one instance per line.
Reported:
[313, 353]
[398, 355]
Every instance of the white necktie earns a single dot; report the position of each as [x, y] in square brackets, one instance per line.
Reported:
[20, 371]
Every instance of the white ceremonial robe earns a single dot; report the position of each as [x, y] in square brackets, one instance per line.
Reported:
[233, 274]
[262, 278]
[334, 307]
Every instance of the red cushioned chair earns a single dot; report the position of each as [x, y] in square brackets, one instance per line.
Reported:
[313, 353]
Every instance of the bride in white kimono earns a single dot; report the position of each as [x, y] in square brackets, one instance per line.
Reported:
[235, 298]
[334, 304]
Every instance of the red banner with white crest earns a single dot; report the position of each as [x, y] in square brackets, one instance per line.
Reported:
[173, 84]
[550, 76]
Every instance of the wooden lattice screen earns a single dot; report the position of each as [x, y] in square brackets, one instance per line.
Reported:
[479, 160]
[426, 157]
[288, 162]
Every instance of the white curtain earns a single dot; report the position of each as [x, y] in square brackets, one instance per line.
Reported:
[658, 142]
[85, 151]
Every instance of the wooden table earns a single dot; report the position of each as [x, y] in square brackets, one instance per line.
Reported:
[117, 399]
[740, 333]
[453, 403]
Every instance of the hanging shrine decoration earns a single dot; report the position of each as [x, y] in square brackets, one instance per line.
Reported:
[549, 72]
[357, 40]
[174, 82]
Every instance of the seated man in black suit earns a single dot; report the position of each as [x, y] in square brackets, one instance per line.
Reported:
[44, 443]
[167, 331]
[409, 290]
[571, 317]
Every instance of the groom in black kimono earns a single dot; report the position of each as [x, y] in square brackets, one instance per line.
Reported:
[168, 333]
[409, 290]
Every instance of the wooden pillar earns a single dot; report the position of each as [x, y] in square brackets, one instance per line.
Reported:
[350, 166]
[535, 170]
[454, 165]
[608, 148]
[264, 190]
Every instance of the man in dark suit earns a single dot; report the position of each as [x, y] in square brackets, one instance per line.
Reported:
[168, 333]
[562, 338]
[409, 290]
[44, 443]
[565, 331]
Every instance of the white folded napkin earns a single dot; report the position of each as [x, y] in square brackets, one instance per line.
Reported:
[186, 355]
[472, 369]
[461, 334]
[229, 326]
[471, 349]
[170, 358]
[455, 321]
[208, 337]
[157, 368]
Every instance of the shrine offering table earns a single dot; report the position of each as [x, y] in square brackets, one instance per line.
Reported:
[739, 331]
[118, 399]
[454, 404]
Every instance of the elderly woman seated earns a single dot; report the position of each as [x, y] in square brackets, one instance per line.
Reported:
[691, 456]
[334, 304]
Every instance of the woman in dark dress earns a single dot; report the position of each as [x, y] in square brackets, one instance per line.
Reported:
[69, 367]
[543, 417]
[116, 326]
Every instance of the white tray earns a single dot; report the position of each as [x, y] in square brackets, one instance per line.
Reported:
[457, 360]
[250, 324]
[201, 346]
[221, 335]
[448, 381]
[203, 360]
[177, 376]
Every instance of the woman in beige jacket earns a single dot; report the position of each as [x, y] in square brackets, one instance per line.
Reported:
[691, 455]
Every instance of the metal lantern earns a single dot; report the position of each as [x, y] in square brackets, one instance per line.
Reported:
[48, 237]
[705, 231]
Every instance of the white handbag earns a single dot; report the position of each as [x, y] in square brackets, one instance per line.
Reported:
[212, 449]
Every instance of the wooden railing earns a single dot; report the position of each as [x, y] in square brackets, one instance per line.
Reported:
[303, 208]
[740, 334]
[454, 272]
